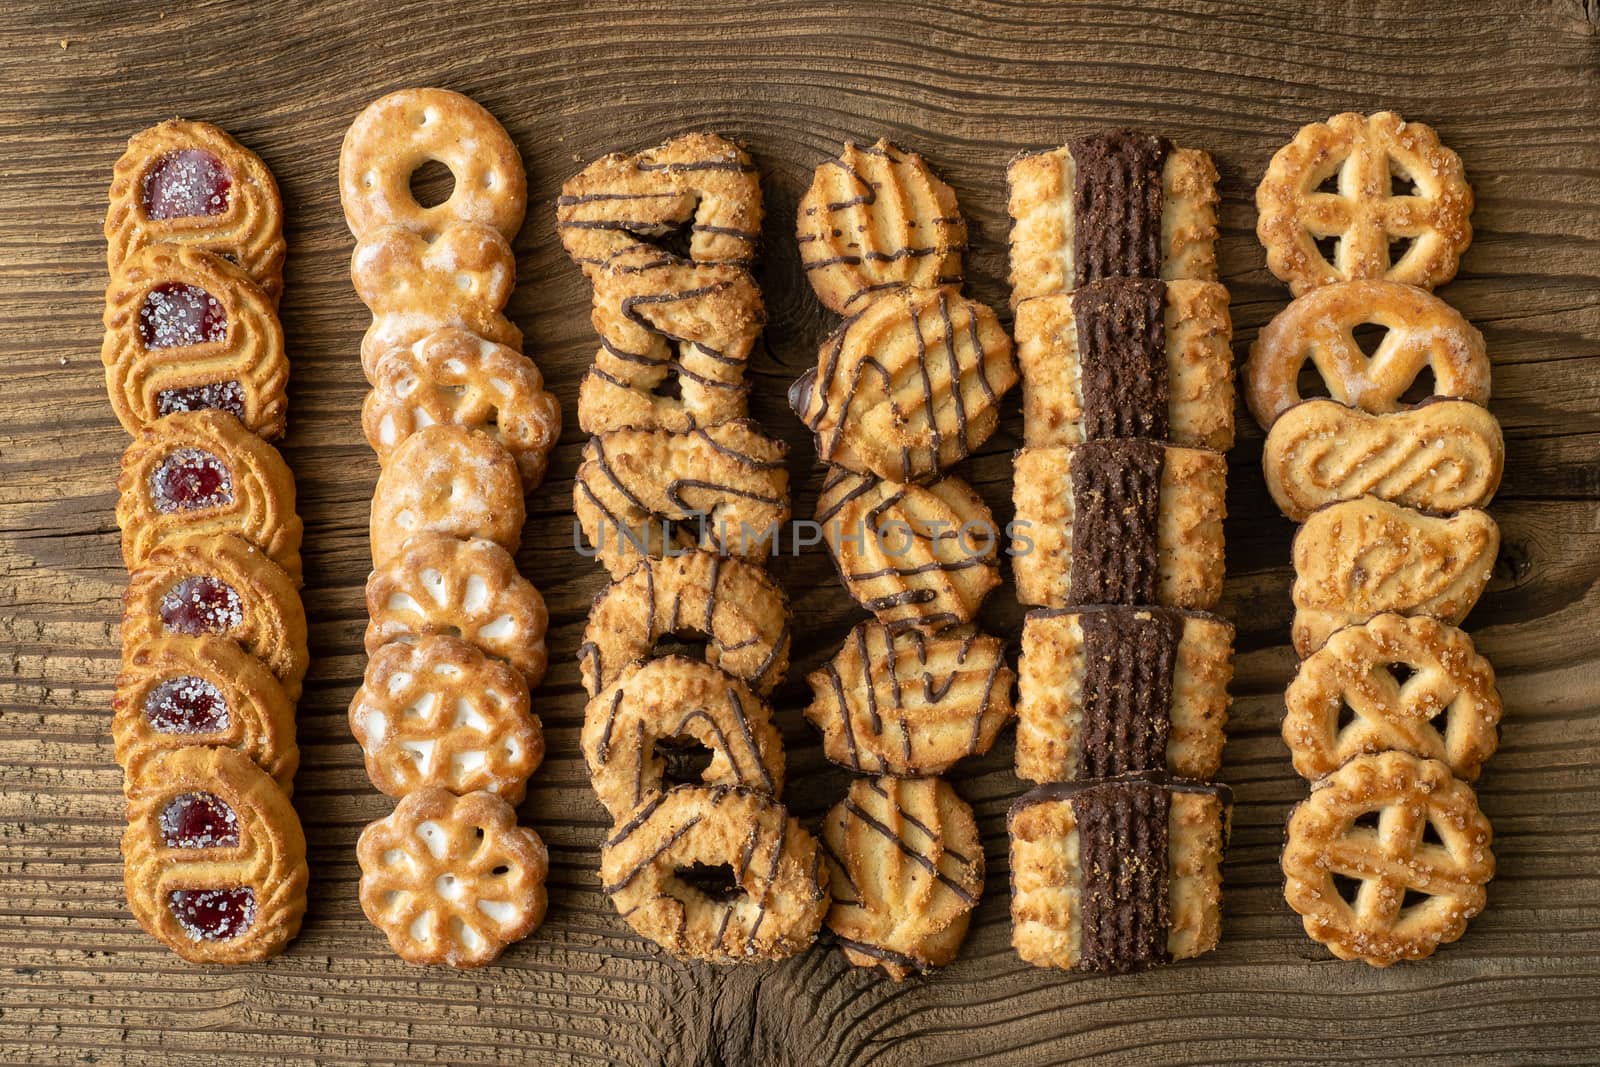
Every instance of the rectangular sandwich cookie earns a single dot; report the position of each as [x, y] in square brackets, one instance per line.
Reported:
[1117, 875]
[1119, 522]
[1110, 690]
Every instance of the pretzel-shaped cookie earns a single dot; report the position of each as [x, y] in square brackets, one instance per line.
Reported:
[399, 133]
[1373, 835]
[452, 880]
[446, 480]
[1366, 154]
[1424, 333]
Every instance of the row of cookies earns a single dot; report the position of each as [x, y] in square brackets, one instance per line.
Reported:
[1392, 711]
[213, 631]
[679, 496]
[907, 386]
[1123, 338]
[463, 427]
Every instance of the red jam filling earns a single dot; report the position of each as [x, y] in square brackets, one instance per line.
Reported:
[201, 604]
[186, 705]
[177, 315]
[199, 820]
[214, 914]
[189, 479]
[222, 396]
[186, 184]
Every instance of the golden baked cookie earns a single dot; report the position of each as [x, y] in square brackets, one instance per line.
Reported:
[901, 702]
[439, 713]
[398, 134]
[447, 480]
[642, 493]
[674, 339]
[1115, 204]
[913, 555]
[455, 377]
[190, 183]
[1111, 690]
[1128, 357]
[1441, 456]
[219, 585]
[1117, 875]
[1119, 522]
[878, 218]
[181, 692]
[716, 874]
[187, 330]
[1392, 199]
[909, 386]
[213, 860]
[461, 279]
[906, 870]
[437, 584]
[698, 192]
[1425, 339]
[1357, 558]
[1388, 859]
[199, 472]
[738, 612]
[452, 880]
[640, 730]
[1408, 684]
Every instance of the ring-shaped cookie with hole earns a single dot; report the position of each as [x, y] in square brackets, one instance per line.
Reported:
[450, 480]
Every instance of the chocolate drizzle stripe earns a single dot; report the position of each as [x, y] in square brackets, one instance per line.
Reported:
[660, 850]
[877, 788]
[873, 717]
[886, 955]
[1117, 205]
[844, 715]
[910, 853]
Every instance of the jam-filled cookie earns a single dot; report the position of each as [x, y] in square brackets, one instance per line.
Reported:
[446, 480]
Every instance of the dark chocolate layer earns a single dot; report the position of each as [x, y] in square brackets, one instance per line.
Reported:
[1122, 352]
[1122, 844]
[1116, 204]
[1128, 659]
[1116, 502]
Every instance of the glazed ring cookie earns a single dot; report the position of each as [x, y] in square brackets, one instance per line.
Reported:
[447, 480]
[455, 377]
[1357, 558]
[1119, 522]
[633, 729]
[739, 612]
[220, 585]
[187, 330]
[913, 555]
[1117, 875]
[1338, 180]
[909, 386]
[452, 880]
[1111, 205]
[906, 870]
[1423, 334]
[1128, 357]
[467, 589]
[901, 702]
[716, 874]
[399, 133]
[1112, 690]
[1412, 685]
[413, 286]
[1388, 859]
[189, 183]
[674, 338]
[878, 218]
[697, 185]
[179, 692]
[214, 860]
[640, 493]
[441, 713]
[1441, 456]
[202, 472]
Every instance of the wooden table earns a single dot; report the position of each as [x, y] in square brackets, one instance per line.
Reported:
[1514, 88]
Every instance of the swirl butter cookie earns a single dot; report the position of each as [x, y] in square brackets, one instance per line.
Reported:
[185, 330]
[903, 703]
[1119, 522]
[203, 472]
[1128, 357]
[446, 480]
[214, 860]
[908, 386]
[878, 218]
[1114, 204]
[1111, 690]
[906, 871]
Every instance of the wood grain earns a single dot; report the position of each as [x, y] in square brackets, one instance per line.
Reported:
[1514, 87]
